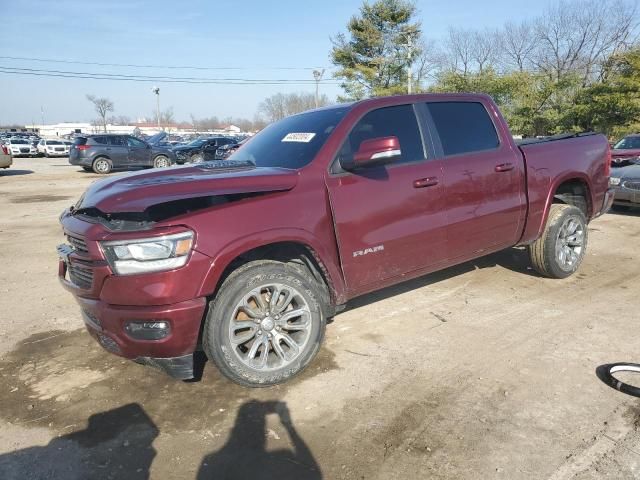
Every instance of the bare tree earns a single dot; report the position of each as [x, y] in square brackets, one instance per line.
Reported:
[518, 43]
[102, 106]
[281, 105]
[119, 120]
[484, 49]
[429, 61]
[459, 50]
[578, 35]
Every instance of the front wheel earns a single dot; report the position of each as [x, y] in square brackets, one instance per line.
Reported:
[266, 323]
[560, 250]
[161, 162]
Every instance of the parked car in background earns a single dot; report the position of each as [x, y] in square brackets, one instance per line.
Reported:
[626, 183]
[626, 151]
[201, 149]
[6, 159]
[103, 153]
[52, 148]
[20, 147]
[226, 151]
[249, 257]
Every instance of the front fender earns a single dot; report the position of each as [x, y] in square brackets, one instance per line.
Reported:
[327, 258]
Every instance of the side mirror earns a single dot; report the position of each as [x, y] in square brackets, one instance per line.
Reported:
[374, 152]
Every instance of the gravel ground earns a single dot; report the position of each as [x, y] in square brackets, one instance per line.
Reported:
[480, 371]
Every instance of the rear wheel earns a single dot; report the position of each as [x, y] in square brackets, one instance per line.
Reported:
[197, 157]
[102, 165]
[161, 161]
[266, 323]
[560, 250]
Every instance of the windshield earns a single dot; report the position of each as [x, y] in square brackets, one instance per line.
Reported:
[292, 142]
[53, 142]
[628, 143]
[18, 141]
[197, 143]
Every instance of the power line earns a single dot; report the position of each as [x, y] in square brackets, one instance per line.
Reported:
[160, 79]
[170, 67]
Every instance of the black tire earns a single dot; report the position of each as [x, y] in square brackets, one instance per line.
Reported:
[46, 154]
[216, 338]
[543, 251]
[102, 166]
[604, 373]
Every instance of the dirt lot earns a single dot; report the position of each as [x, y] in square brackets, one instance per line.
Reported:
[481, 371]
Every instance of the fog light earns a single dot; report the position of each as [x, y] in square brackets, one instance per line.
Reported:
[148, 330]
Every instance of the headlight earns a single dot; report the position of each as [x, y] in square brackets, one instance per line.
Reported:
[129, 257]
[614, 181]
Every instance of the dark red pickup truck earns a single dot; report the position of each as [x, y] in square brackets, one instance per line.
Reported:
[248, 258]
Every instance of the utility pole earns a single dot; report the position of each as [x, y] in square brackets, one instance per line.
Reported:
[42, 114]
[156, 90]
[409, 72]
[317, 75]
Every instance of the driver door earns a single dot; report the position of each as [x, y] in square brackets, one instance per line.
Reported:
[389, 219]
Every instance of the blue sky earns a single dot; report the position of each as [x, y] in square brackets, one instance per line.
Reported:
[254, 35]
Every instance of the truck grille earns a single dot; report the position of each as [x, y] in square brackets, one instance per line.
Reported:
[632, 185]
[80, 275]
[78, 244]
[59, 149]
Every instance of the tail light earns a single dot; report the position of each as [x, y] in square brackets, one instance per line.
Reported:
[83, 147]
[5, 150]
[607, 165]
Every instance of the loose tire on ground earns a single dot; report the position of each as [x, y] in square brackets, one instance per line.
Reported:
[560, 250]
[266, 323]
[102, 165]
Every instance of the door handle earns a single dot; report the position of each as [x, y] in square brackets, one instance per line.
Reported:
[425, 182]
[504, 167]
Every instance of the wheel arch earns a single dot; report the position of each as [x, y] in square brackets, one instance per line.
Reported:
[289, 249]
[568, 189]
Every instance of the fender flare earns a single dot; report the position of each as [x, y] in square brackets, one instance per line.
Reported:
[327, 259]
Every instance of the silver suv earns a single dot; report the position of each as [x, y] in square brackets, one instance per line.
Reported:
[103, 153]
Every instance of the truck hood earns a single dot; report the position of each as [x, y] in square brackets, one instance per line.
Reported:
[136, 192]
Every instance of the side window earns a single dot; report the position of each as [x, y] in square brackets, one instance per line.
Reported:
[463, 127]
[134, 142]
[100, 140]
[117, 141]
[398, 121]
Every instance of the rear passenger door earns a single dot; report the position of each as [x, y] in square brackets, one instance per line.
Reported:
[389, 219]
[139, 152]
[118, 151]
[483, 180]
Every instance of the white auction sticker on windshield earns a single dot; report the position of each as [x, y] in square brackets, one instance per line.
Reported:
[299, 137]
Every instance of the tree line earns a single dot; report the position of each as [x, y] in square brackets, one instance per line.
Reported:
[575, 67]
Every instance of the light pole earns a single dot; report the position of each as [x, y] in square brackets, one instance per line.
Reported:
[409, 46]
[156, 90]
[317, 75]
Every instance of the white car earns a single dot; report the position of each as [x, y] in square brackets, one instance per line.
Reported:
[52, 148]
[21, 148]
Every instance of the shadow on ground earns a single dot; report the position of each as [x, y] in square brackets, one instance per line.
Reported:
[14, 173]
[245, 453]
[116, 444]
[515, 259]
